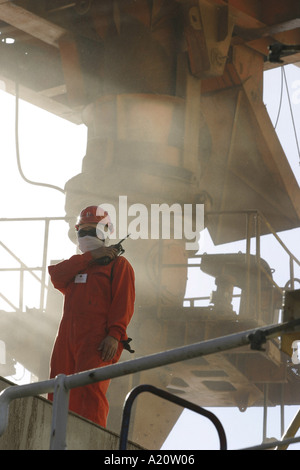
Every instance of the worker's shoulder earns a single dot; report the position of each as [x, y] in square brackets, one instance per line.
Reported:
[122, 262]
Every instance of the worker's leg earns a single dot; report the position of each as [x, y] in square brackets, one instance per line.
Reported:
[90, 401]
[62, 360]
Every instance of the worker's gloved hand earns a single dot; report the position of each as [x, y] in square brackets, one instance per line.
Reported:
[108, 348]
[103, 251]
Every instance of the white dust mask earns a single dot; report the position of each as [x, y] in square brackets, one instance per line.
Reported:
[89, 243]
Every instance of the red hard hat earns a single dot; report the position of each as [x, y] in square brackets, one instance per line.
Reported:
[94, 214]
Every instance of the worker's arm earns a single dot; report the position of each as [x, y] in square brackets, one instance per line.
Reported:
[64, 272]
[123, 297]
[121, 309]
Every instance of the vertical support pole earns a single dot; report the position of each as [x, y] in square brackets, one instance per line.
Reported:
[59, 414]
[282, 409]
[248, 232]
[292, 287]
[265, 419]
[44, 263]
[159, 274]
[257, 234]
[21, 293]
[249, 223]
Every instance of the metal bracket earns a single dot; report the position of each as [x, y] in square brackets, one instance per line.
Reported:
[276, 51]
[257, 339]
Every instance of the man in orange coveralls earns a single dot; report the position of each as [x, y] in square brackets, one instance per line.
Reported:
[98, 306]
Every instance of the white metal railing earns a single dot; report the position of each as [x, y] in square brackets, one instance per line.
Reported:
[274, 444]
[22, 268]
[62, 384]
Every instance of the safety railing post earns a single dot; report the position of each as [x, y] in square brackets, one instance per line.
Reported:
[173, 399]
[59, 414]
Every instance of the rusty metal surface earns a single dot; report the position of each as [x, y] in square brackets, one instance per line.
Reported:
[209, 53]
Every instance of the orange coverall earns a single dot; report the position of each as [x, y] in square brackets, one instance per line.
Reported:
[99, 301]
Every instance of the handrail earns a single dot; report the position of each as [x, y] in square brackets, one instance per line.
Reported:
[268, 225]
[23, 267]
[265, 221]
[255, 231]
[62, 384]
[132, 395]
[273, 444]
